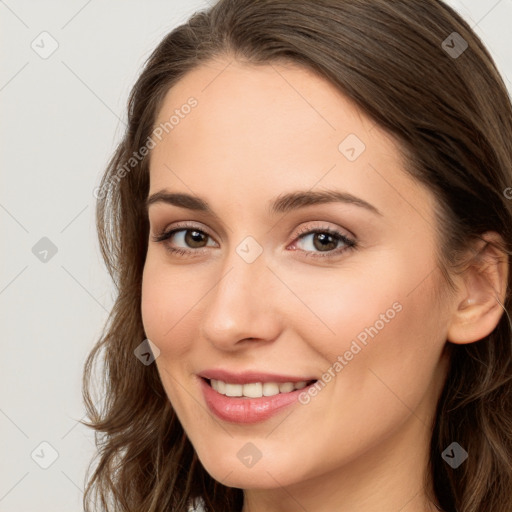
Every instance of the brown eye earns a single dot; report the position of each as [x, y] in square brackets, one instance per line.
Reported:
[324, 241]
[185, 240]
[194, 238]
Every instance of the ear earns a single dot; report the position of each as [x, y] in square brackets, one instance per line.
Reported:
[479, 305]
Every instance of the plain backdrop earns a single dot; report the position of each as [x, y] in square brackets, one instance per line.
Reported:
[67, 68]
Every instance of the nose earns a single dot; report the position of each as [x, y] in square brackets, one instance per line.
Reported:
[243, 305]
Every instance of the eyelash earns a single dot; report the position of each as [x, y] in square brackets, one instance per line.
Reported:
[339, 237]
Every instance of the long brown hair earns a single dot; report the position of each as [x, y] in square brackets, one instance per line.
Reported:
[451, 114]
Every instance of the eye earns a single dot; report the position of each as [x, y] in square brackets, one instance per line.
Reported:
[191, 239]
[324, 242]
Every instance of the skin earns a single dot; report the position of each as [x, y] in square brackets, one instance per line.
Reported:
[362, 443]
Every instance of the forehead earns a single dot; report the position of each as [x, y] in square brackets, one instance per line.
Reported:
[261, 101]
[271, 128]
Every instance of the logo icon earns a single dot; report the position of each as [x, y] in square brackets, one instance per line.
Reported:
[249, 249]
[351, 147]
[454, 45]
[44, 250]
[44, 45]
[147, 352]
[249, 455]
[454, 455]
[44, 455]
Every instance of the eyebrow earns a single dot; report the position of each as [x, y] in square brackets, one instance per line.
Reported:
[281, 204]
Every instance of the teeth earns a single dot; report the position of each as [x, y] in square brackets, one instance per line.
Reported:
[270, 389]
[255, 389]
[234, 389]
[285, 387]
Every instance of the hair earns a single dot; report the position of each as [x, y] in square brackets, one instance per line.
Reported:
[452, 117]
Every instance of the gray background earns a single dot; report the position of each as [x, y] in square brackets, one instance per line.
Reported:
[61, 117]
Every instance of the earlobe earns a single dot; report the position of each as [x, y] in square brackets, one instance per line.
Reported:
[479, 305]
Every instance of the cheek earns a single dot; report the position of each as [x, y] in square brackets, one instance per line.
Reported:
[167, 308]
[387, 330]
[381, 379]
[388, 297]
[168, 304]
[170, 296]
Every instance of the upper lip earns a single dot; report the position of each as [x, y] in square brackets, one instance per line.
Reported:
[250, 376]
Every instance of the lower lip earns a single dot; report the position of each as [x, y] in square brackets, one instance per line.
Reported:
[247, 410]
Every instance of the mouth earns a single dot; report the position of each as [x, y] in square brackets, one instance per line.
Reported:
[256, 389]
[250, 402]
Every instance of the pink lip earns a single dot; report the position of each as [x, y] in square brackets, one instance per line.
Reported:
[247, 410]
[250, 376]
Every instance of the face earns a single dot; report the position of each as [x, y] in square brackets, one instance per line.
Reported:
[337, 286]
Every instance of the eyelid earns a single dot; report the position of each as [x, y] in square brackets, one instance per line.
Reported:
[322, 226]
[297, 234]
[182, 225]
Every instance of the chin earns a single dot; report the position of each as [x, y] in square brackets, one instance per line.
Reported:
[246, 479]
[231, 472]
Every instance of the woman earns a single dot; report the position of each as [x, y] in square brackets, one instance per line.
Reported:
[308, 222]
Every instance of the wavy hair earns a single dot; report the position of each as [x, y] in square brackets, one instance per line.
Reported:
[452, 116]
